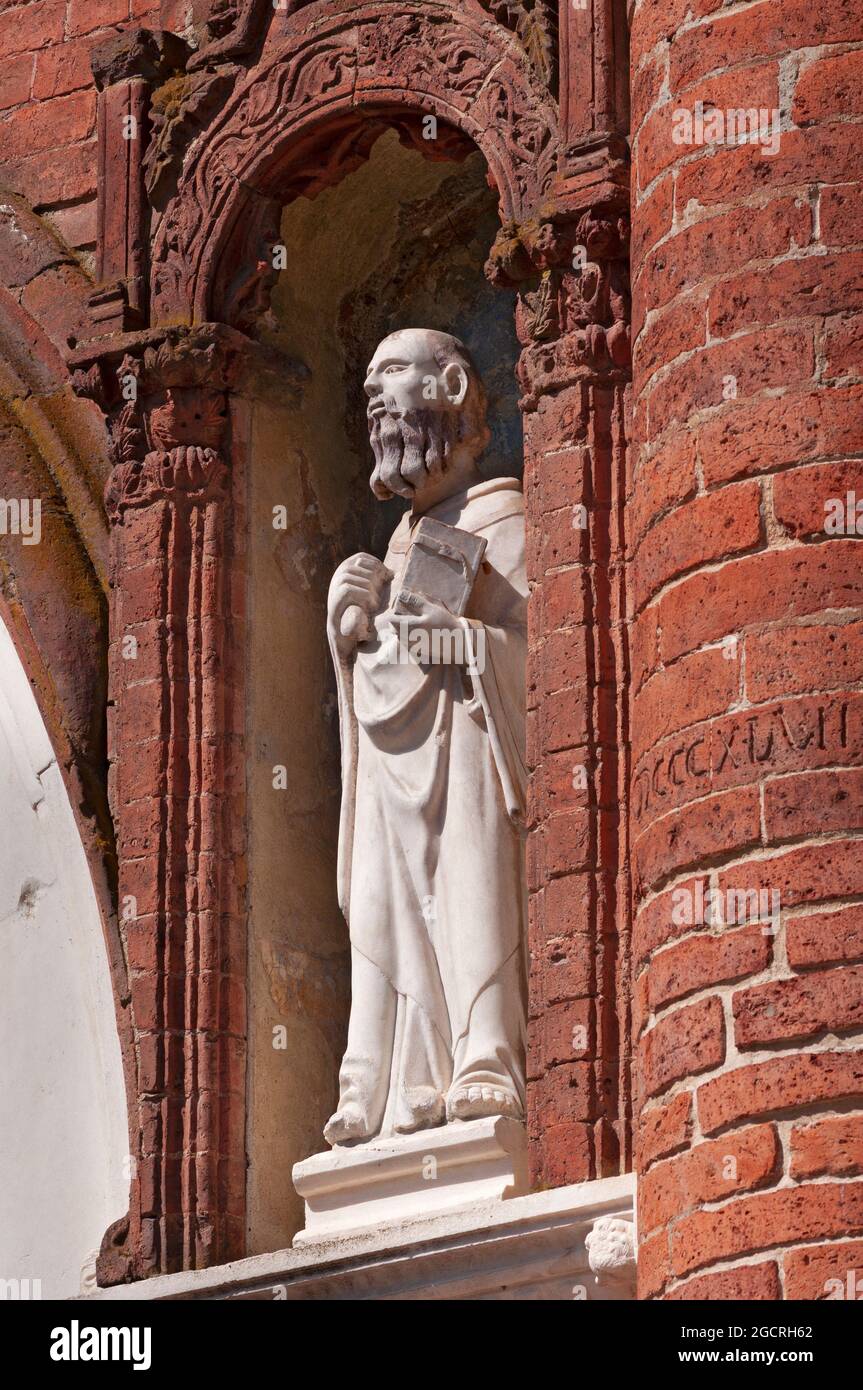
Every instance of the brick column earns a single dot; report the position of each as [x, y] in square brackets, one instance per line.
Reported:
[573, 313]
[747, 648]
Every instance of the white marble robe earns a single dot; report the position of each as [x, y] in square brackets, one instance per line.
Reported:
[431, 876]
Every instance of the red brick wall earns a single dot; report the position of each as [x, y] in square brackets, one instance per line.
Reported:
[747, 716]
[48, 104]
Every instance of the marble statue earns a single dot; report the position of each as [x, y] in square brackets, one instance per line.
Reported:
[432, 710]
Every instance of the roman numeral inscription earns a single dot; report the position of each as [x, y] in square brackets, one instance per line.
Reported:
[788, 736]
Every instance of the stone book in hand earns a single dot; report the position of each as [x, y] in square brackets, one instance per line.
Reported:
[442, 566]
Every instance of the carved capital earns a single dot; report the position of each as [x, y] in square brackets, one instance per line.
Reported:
[196, 474]
[574, 303]
[166, 396]
[210, 356]
[168, 414]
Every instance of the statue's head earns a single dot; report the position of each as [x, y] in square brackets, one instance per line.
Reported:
[426, 411]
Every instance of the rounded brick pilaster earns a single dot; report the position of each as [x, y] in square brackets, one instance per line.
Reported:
[747, 591]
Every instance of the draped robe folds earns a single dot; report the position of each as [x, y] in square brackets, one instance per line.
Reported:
[431, 877]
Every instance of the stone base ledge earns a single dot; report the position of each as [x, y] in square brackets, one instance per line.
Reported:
[530, 1247]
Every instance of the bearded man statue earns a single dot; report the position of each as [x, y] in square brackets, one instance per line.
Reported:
[431, 853]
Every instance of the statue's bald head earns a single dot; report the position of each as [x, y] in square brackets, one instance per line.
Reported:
[426, 405]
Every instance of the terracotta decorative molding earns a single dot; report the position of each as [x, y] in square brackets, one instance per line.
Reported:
[536, 24]
[571, 270]
[574, 304]
[569, 262]
[311, 111]
[594, 88]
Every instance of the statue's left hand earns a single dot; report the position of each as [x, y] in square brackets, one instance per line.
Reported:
[426, 615]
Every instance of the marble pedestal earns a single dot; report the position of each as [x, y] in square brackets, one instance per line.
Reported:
[410, 1177]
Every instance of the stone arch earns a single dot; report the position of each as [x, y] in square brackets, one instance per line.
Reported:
[53, 595]
[311, 111]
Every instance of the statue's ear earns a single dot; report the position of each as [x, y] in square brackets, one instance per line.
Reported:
[455, 383]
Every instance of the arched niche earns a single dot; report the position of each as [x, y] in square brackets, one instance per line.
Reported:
[400, 241]
[64, 1172]
[302, 131]
[312, 109]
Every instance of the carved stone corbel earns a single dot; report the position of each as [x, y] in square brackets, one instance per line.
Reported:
[611, 1254]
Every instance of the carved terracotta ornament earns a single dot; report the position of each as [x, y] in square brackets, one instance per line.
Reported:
[536, 24]
[311, 111]
[573, 281]
[234, 28]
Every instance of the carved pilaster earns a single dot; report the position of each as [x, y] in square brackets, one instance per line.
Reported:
[594, 96]
[571, 271]
[126, 67]
[176, 785]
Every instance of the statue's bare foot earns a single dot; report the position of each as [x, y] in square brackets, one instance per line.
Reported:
[472, 1102]
[349, 1123]
[425, 1108]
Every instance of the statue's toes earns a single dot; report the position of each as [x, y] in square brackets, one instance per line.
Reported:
[506, 1103]
[347, 1124]
[476, 1102]
[334, 1129]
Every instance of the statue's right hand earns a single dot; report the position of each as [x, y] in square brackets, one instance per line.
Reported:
[357, 583]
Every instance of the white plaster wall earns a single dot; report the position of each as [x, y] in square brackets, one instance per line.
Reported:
[63, 1132]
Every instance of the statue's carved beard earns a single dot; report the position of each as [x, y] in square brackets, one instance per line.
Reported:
[409, 448]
